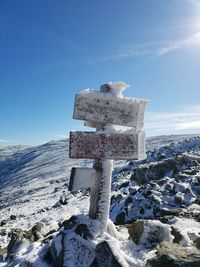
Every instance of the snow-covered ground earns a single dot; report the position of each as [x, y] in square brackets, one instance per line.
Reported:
[34, 189]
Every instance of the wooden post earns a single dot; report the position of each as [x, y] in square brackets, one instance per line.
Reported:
[100, 195]
[100, 110]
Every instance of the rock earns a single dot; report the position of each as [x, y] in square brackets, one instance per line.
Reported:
[135, 231]
[120, 218]
[13, 217]
[128, 201]
[70, 249]
[36, 231]
[177, 235]
[4, 222]
[132, 191]
[64, 199]
[83, 231]
[197, 242]
[104, 256]
[3, 252]
[173, 255]
[165, 211]
[71, 223]
[57, 250]
[124, 184]
[150, 233]
[179, 198]
[18, 240]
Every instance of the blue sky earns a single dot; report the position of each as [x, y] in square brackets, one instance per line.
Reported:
[50, 50]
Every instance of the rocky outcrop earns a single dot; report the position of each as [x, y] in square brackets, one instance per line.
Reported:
[158, 170]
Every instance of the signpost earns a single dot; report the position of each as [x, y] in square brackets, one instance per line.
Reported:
[101, 110]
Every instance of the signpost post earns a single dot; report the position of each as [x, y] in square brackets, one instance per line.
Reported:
[100, 110]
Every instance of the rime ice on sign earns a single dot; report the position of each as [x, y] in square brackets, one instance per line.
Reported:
[106, 108]
[101, 145]
[102, 110]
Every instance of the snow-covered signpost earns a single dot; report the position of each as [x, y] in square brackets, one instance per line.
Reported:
[105, 110]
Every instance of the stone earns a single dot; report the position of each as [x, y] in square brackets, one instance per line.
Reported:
[120, 218]
[178, 198]
[150, 233]
[124, 184]
[71, 223]
[177, 235]
[57, 251]
[4, 222]
[13, 217]
[197, 242]
[135, 231]
[173, 255]
[18, 240]
[83, 231]
[165, 211]
[70, 249]
[132, 191]
[36, 231]
[64, 199]
[104, 256]
[3, 252]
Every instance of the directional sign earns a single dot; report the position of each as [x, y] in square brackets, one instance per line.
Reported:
[105, 108]
[102, 145]
[83, 178]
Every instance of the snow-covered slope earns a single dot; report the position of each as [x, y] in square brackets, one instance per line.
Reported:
[34, 185]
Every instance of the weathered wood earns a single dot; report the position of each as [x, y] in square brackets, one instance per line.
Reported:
[94, 124]
[83, 178]
[101, 145]
[107, 109]
[104, 194]
[94, 191]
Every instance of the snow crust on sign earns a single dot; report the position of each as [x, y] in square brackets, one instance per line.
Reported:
[117, 88]
[111, 96]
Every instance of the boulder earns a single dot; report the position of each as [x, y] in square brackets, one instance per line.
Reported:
[197, 242]
[4, 222]
[19, 239]
[83, 231]
[150, 233]
[36, 231]
[71, 250]
[173, 255]
[13, 217]
[104, 256]
[120, 218]
[177, 235]
[135, 231]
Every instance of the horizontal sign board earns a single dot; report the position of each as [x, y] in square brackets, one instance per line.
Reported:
[100, 145]
[108, 109]
[83, 178]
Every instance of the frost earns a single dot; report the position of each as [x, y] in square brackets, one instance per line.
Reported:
[187, 228]
[105, 192]
[117, 88]
[155, 232]
[78, 252]
[93, 225]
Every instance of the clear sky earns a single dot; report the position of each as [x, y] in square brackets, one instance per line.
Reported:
[50, 50]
